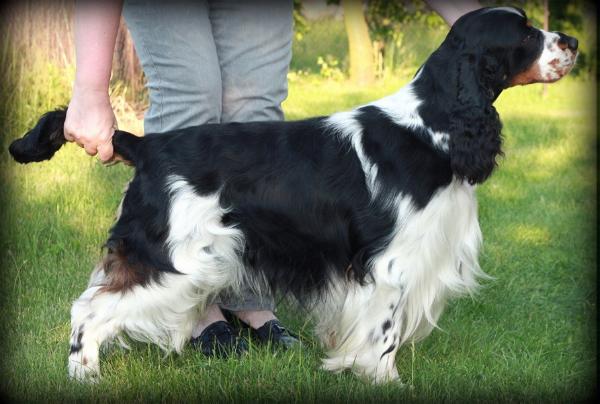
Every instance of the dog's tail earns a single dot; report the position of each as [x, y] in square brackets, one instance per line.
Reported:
[47, 137]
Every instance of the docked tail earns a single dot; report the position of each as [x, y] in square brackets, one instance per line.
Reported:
[41, 142]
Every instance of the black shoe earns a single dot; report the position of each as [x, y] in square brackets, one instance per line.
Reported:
[272, 331]
[220, 340]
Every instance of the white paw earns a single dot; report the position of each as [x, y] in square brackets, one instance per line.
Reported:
[83, 369]
[381, 376]
[382, 372]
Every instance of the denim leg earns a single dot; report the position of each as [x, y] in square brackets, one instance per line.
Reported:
[246, 300]
[219, 62]
[254, 46]
[175, 45]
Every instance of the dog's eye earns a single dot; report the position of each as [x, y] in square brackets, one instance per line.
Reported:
[528, 37]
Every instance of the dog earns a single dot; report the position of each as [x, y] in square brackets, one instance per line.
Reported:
[367, 217]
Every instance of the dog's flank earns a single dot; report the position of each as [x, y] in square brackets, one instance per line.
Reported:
[368, 217]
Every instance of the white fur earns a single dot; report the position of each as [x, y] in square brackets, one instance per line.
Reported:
[403, 108]
[554, 62]
[203, 250]
[201, 246]
[441, 140]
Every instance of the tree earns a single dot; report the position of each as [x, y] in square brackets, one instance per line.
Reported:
[362, 66]
[387, 23]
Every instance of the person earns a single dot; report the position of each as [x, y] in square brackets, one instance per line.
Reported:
[205, 62]
[451, 11]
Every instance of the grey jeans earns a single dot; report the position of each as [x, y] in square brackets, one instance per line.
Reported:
[210, 62]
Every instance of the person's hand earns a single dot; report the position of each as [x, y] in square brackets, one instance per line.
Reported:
[91, 122]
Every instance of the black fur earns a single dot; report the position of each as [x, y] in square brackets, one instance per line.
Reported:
[293, 188]
[399, 152]
[41, 142]
[297, 190]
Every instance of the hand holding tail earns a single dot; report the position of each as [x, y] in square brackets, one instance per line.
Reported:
[91, 122]
[48, 136]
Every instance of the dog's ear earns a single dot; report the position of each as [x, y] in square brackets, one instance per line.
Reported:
[475, 128]
[41, 142]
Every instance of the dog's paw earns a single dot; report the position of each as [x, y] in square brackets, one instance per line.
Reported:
[372, 372]
[83, 369]
[386, 375]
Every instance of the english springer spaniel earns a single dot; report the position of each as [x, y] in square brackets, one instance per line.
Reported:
[368, 217]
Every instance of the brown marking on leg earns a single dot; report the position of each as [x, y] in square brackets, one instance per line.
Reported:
[332, 339]
[121, 275]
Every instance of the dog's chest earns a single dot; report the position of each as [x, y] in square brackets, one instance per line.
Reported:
[435, 246]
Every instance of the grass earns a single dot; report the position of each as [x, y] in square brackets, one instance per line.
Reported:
[530, 335]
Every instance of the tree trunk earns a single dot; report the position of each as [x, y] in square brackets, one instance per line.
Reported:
[362, 66]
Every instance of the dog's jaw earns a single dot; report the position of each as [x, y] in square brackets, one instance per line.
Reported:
[554, 63]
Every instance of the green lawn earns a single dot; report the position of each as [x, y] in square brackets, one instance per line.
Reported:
[529, 335]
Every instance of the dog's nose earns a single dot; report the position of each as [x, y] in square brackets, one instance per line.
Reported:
[566, 41]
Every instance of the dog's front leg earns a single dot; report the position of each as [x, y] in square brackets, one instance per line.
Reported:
[365, 336]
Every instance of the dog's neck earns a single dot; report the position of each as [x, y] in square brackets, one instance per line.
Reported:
[405, 108]
[448, 105]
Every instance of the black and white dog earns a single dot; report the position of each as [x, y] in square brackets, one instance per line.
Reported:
[368, 217]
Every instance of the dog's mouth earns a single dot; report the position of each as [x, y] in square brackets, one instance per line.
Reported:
[559, 67]
[556, 60]
[549, 68]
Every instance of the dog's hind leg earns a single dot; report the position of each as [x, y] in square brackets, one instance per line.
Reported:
[87, 331]
[152, 305]
[161, 312]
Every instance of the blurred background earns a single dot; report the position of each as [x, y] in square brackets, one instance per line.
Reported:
[37, 47]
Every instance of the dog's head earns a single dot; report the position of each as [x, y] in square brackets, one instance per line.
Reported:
[504, 49]
[486, 52]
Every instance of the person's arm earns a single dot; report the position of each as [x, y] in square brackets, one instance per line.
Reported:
[451, 11]
[90, 119]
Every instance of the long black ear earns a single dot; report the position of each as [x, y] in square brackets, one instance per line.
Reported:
[41, 142]
[475, 128]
